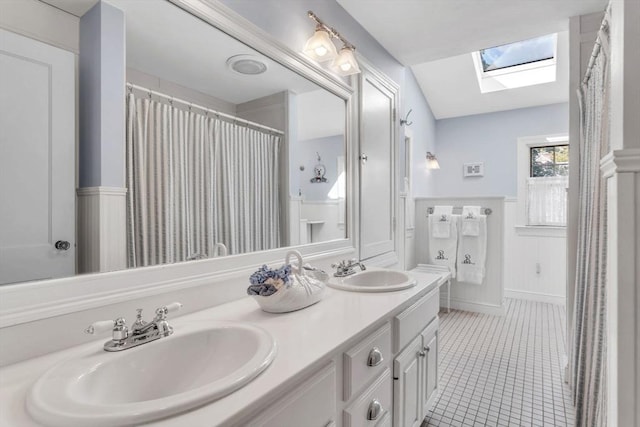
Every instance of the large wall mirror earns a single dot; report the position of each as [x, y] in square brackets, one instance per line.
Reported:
[225, 152]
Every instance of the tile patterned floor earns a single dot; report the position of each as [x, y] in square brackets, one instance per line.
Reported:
[503, 370]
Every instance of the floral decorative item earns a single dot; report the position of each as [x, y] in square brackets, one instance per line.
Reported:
[266, 282]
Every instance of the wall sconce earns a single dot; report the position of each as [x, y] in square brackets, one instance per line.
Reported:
[432, 162]
[320, 48]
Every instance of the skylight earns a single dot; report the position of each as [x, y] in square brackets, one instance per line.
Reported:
[524, 63]
[518, 53]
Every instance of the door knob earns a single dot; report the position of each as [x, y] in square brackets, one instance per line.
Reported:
[62, 245]
[364, 158]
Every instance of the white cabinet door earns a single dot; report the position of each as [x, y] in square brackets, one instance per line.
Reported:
[37, 159]
[377, 145]
[311, 404]
[407, 376]
[430, 377]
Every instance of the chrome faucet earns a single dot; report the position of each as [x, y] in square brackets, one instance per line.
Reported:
[141, 332]
[347, 267]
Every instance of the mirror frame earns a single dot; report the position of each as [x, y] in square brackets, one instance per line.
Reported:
[31, 301]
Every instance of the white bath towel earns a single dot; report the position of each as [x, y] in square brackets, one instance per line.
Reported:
[440, 222]
[443, 251]
[472, 255]
[470, 220]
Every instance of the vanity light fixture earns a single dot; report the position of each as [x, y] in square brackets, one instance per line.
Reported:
[432, 162]
[320, 48]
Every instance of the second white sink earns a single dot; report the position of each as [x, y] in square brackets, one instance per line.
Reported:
[199, 363]
[374, 280]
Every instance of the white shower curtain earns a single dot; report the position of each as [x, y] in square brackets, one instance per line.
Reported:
[588, 346]
[194, 181]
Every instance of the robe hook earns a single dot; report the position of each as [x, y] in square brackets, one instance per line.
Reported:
[406, 121]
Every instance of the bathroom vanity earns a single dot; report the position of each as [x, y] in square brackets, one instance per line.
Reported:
[353, 359]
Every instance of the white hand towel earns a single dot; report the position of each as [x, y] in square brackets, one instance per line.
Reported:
[470, 222]
[472, 255]
[440, 222]
[443, 251]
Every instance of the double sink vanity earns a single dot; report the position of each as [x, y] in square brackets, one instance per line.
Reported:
[353, 359]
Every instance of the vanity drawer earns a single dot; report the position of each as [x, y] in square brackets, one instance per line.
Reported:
[365, 360]
[414, 319]
[372, 406]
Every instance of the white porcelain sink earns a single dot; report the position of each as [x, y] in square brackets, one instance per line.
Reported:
[374, 280]
[199, 363]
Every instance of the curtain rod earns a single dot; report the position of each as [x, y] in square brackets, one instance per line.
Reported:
[601, 42]
[486, 211]
[190, 104]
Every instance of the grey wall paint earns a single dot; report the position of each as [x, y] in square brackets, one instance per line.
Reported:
[287, 21]
[490, 138]
[101, 92]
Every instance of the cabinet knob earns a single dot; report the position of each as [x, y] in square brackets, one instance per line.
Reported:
[427, 348]
[374, 411]
[421, 353]
[375, 357]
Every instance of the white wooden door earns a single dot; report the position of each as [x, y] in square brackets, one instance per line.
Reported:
[37, 159]
[407, 375]
[377, 144]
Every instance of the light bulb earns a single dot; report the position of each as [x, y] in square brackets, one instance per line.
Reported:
[321, 51]
[345, 67]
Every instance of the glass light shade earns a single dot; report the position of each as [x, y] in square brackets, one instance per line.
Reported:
[432, 162]
[345, 64]
[320, 47]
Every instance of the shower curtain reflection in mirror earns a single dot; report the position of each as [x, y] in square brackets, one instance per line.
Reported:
[194, 180]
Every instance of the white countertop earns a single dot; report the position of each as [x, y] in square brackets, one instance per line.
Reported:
[304, 339]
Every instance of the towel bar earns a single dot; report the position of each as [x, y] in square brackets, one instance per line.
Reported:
[486, 211]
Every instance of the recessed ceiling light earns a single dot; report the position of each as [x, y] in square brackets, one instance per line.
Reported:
[246, 64]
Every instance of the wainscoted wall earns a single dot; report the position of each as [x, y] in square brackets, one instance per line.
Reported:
[102, 229]
[485, 298]
[535, 265]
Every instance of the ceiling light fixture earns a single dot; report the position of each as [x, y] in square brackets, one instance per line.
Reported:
[432, 162]
[320, 48]
[246, 64]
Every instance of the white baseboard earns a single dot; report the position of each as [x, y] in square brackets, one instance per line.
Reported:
[494, 310]
[535, 296]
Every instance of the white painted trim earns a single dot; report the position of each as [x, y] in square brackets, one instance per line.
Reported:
[618, 161]
[101, 191]
[535, 296]
[493, 310]
[28, 302]
[460, 197]
[541, 231]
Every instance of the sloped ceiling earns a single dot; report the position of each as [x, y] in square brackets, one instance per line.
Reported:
[435, 38]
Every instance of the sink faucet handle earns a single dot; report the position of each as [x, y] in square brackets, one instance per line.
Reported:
[100, 327]
[161, 313]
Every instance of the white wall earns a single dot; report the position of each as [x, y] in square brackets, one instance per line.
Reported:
[535, 264]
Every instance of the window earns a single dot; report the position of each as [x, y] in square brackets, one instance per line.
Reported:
[543, 177]
[547, 185]
[518, 53]
[523, 63]
[550, 160]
